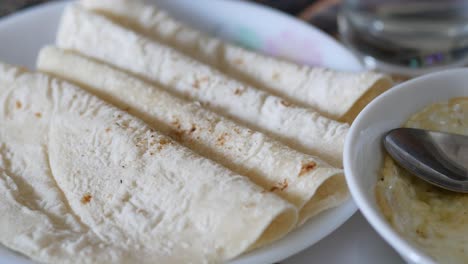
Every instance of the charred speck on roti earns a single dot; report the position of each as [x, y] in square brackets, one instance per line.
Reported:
[176, 135]
[86, 198]
[280, 186]
[239, 91]
[19, 104]
[306, 167]
[162, 143]
[197, 82]
[176, 123]
[285, 103]
[205, 104]
[222, 139]
[193, 128]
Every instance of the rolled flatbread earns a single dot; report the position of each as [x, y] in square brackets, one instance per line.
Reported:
[35, 217]
[337, 95]
[303, 180]
[300, 128]
[139, 194]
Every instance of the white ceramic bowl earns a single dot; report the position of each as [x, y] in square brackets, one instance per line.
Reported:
[363, 153]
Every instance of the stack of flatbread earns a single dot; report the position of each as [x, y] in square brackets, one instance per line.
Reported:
[146, 141]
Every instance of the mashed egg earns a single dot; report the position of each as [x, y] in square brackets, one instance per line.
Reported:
[434, 219]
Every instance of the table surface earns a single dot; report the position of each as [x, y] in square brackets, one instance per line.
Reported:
[355, 242]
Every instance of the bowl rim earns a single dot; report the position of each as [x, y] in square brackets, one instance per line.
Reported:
[406, 249]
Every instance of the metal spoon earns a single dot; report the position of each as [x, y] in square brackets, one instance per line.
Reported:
[438, 158]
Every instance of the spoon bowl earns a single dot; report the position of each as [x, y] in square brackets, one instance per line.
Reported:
[436, 157]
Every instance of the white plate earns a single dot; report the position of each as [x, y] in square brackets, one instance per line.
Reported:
[264, 29]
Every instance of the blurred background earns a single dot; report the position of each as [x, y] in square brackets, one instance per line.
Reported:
[321, 13]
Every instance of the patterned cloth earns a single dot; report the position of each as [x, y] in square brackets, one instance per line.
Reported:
[321, 13]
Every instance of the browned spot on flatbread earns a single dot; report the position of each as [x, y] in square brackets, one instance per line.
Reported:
[38, 115]
[285, 103]
[205, 104]
[307, 167]
[280, 186]
[177, 135]
[239, 91]
[19, 104]
[162, 143]
[108, 129]
[176, 124]
[176, 132]
[193, 128]
[222, 139]
[196, 84]
[86, 198]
